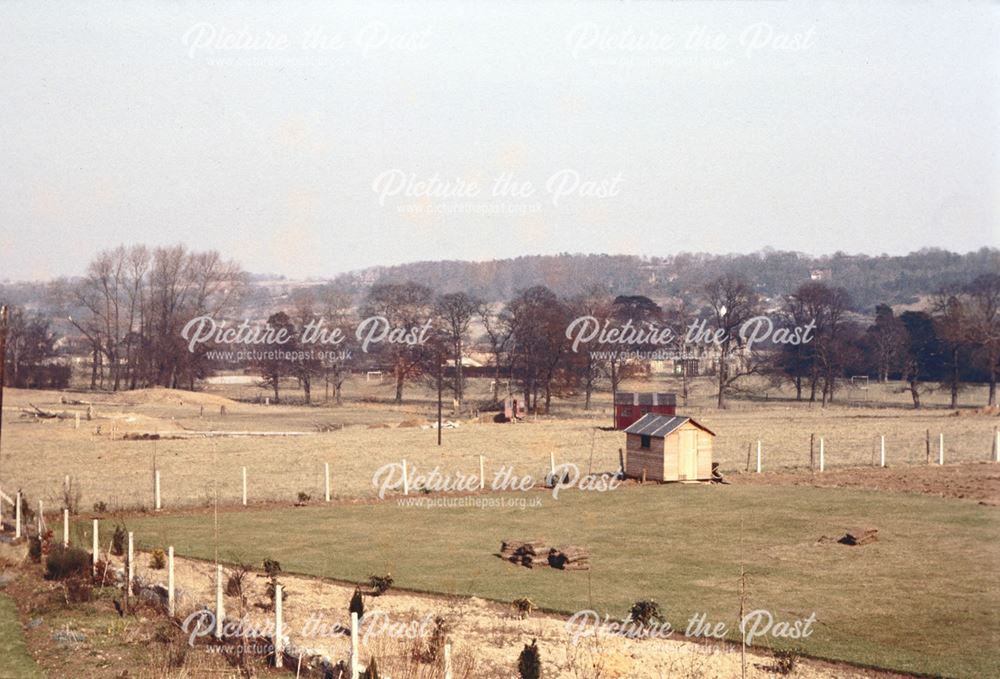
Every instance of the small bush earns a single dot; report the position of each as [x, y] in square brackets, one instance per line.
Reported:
[644, 612]
[272, 570]
[35, 548]
[158, 559]
[357, 604]
[529, 664]
[65, 562]
[380, 584]
[784, 662]
[101, 507]
[523, 607]
[304, 497]
[371, 672]
[79, 590]
[431, 651]
[119, 540]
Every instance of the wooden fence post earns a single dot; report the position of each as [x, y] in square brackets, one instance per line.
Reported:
[17, 516]
[96, 546]
[996, 450]
[130, 571]
[927, 440]
[244, 486]
[326, 480]
[279, 641]
[171, 596]
[355, 670]
[65, 527]
[220, 606]
[812, 456]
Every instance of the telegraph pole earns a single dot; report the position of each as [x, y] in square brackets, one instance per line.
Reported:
[440, 378]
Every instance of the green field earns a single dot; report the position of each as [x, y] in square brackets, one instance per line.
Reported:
[15, 662]
[922, 599]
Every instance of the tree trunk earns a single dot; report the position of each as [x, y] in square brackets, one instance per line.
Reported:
[798, 388]
[915, 393]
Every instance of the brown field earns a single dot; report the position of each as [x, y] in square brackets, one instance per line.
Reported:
[38, 454]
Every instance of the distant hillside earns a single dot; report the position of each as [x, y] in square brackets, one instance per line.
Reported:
[869, 279]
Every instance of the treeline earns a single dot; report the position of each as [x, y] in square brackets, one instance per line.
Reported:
[127, 314]
[870, 280]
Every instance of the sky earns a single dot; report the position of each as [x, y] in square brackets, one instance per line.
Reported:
[308, 139]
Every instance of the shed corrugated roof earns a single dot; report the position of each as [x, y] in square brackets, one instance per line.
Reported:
[659, 426]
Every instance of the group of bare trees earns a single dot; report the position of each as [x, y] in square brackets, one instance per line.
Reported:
[955, 341]
[132, 304]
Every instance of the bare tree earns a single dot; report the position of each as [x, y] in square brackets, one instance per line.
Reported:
[499, 334]
[984, 325]
[404, 306]
[455, 312]
[732, 302]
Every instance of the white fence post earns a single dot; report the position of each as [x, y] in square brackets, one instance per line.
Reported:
[131, 564]
[822, 463]
[41, 518]
[326, 480]
[171, 596]
[77, 420]
[220, 611]
[279, 641]
[482, 473]
[882, 446]
[244, 486]
[96, 546]
[552, 465]
[65, 528]
[447, 661]
[941, 449]
[406, 481]
[1, 508]
[17, 516]
[159, 505]
[996, 452]
[758, 456]
[355, 672]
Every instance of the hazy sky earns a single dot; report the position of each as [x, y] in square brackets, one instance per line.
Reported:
[277, 133]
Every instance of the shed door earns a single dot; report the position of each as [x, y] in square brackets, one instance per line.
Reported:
[688, 454]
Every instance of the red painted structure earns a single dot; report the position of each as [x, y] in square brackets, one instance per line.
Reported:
[630, 406]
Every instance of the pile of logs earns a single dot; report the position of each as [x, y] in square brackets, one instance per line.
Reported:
[534, 553]
[570, 558]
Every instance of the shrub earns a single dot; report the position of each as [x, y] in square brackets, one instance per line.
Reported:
[645, 611]
[101, 507]
[380, 584]
[784, 662]
[357, 604]
[272, 570]
[371, 672]
[79, 590]
[64, 562]
[119, 540]
[158, 559]
[35, 548]
[523, 607]
[304, 497]
[529, 664]
[430, 652]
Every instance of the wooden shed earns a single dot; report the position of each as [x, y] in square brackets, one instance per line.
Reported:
[668, 448]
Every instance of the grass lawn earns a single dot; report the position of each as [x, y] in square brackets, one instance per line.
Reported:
[922, 599]
[15, 662]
